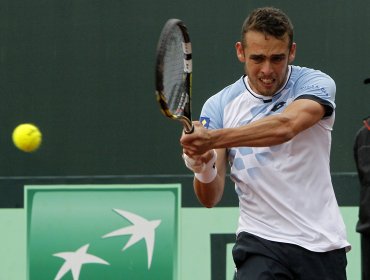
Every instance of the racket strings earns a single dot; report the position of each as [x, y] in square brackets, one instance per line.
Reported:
[174, 77]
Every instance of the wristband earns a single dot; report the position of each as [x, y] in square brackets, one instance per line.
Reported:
[207, 176]
[209, 172]
[194, 165]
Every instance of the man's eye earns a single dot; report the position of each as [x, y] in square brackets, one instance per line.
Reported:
[257, 59]
[277, 59]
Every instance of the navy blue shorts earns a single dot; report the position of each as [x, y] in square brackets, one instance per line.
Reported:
[259, 259]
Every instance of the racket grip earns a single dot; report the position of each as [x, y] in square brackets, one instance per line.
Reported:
[189, 131]
[188, 126]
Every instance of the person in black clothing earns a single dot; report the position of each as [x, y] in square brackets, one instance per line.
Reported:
[362, 159]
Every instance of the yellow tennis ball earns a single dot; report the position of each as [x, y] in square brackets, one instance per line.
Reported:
[27, 137]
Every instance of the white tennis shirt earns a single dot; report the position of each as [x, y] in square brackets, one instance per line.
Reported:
[285, 191]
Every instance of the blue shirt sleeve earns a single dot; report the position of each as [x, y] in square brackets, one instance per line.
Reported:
[319, 87]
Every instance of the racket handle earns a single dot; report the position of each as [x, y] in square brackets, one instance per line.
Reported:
[189, 131]
[188, 127]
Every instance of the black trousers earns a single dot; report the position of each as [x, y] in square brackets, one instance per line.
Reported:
[259, 259]
[365, 256]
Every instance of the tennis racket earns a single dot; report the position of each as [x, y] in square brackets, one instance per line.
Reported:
[174, 73]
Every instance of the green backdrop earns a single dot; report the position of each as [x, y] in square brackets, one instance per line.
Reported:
[83, 71]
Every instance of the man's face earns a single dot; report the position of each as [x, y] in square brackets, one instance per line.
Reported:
[266, 61]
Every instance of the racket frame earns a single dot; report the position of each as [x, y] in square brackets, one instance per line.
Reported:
[187, 75]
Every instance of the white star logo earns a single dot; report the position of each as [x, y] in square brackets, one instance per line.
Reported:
[140, 229]
[75, 260]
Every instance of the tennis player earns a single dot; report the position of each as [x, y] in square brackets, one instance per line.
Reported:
[273, 126]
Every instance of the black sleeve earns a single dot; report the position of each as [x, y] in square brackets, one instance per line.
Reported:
[362, 159]
[329, 109]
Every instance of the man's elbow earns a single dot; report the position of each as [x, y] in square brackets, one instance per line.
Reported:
[209, 204]
[286, 132]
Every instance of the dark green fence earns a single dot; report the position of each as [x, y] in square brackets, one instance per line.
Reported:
[83, 71]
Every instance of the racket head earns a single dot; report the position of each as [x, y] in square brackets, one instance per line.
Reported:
[174, 73]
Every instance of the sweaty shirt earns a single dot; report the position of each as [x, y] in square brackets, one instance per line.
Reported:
[285, 191]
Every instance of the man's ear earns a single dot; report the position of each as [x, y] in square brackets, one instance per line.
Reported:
[240, 51]
[292, 52]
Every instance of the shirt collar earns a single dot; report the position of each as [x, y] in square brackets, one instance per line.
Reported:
[266, 99]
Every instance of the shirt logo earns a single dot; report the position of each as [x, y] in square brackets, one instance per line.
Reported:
[205, 121]
[277, 106]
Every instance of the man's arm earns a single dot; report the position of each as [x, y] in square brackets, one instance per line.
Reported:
[209, 194]
[272, 130]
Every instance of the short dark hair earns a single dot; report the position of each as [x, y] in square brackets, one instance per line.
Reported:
[270, 21]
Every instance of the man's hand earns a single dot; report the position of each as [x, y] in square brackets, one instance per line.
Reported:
[198, 142]
[195, 163]
[203, 166]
